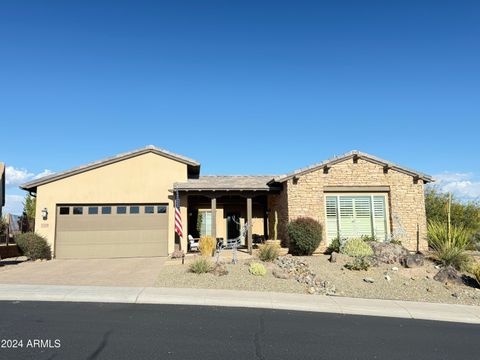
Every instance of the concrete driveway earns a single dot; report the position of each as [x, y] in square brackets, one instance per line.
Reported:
[103, 272]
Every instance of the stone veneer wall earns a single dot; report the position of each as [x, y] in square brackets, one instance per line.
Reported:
[305, 198]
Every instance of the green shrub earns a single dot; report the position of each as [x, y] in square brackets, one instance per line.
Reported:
[368, 238]
[396, 242]
[356, 247]
[334, 246]
[201, 265]
[268, 252]
[449, 250]
[360, 263]
[305, 235]
[33, 246]
[207, 245]
[257, 269]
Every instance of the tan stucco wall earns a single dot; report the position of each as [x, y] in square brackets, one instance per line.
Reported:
[306, 197]
[142, 179]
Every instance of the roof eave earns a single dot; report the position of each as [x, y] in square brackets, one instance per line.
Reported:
[32, 185]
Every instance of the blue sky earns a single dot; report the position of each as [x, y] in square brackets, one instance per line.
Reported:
[244, 87]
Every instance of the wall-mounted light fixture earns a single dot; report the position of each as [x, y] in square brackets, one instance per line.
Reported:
[44, 214]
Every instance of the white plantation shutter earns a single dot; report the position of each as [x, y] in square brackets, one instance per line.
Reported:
[362, 223]
[379, 217]
[332, 217]
[347, 216]
[356, 215]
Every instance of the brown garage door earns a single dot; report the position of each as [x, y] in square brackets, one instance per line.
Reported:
[109, 231]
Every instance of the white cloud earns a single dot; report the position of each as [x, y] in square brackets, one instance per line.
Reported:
[13, 204]
[463, 185]
[15, 177]
[45, 172]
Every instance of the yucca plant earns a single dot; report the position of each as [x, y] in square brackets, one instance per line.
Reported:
[449, 243]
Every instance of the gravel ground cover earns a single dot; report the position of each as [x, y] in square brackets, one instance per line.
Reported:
[390, 281]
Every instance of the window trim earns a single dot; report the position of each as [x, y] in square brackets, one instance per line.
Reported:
[385, 195]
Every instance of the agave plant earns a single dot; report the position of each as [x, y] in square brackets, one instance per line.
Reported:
[449, 244]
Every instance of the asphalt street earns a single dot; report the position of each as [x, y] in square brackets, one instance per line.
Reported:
[62, 330]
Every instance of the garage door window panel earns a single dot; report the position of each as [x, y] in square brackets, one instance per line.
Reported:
[77, 210]
[64, 210]
[121, 210]
[93, 210]
[149, 209]
[134, 210]
[106, 210]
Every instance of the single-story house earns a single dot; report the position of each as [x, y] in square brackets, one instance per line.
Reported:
[123, 206]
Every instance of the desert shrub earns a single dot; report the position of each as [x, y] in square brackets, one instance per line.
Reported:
[359, 263]
[395, 242]
[257, 269]
[268, 252]
[334, 245]
[449, 249]
[305, 235]
[207, 245]
[201, 265]
[33, 246]
[368, 238]
[356, 247]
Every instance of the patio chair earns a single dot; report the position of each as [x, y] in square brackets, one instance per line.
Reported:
[193, 243]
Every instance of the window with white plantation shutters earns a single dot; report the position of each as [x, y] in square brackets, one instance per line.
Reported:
[332, 217]
[351, 216]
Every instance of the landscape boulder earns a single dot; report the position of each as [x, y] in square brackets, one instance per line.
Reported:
[280, 273]
[449, 276]
[413, 261]
[219, 269]
[387, 253]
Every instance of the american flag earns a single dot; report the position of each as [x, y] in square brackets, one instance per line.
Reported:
[178, 216]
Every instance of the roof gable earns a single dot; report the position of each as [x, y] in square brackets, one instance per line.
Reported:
[120, 157]
[350, 155]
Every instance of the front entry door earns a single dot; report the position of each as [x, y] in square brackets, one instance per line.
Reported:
[233, 225]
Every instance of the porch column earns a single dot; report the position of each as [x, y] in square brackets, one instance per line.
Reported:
[184, 213]
[249, 221]
[214, 217]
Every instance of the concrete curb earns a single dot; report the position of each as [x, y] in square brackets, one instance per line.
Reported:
[247, 299]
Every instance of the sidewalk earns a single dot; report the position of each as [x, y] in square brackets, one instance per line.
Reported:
[248, 299]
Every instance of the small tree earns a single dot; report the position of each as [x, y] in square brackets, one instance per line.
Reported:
[29, 207]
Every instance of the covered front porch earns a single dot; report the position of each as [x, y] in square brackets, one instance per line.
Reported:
[221, 207]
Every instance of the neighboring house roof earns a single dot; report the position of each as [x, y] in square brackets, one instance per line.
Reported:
[148, 149]
[226, 183]
[351, 155]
